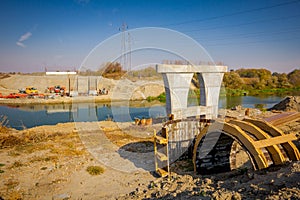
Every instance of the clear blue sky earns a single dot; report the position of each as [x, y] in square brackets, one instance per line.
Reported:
[60, 34]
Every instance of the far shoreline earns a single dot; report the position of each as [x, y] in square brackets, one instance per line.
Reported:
[75, 100]
[61, 100]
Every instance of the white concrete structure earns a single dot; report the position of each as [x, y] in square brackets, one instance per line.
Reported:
[177, 80]
[61, 73]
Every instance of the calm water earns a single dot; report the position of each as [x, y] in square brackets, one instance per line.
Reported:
[250, 101]
[28, 116]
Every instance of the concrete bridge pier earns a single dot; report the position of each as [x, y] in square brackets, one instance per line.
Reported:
[210, 85]
[177, 80]
[177, 89]
[215, 140]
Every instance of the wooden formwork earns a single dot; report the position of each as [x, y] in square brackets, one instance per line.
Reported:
[254, 136]
[264, 143]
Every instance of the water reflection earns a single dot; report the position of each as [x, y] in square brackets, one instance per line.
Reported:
[21, 116]
[26, 116]
[249, 101]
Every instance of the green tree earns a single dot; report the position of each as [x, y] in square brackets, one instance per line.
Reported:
[282, 80]
[294, 78]
[232, 80]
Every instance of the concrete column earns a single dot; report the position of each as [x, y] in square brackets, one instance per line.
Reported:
[177, 88]
[202, 89]
[210, 85]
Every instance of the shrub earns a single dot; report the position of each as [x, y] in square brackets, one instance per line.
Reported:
[95, 170]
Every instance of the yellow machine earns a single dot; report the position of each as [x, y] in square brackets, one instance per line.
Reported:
[31, 90]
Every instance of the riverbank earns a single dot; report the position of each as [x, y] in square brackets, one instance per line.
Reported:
[123, 89]
[84, 160]
[57, 100]
[263, 92]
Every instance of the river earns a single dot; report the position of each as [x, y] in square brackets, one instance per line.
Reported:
[27, 116]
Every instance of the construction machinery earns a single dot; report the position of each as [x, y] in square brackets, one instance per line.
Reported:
[57, 89]
[31, 90]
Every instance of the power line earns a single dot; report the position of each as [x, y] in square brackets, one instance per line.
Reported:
[232, 14]
[254, 34]
[242, 24]
[253, 42]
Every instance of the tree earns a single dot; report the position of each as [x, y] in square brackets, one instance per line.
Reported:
[294, 78]
[282, 80]
[232, 80]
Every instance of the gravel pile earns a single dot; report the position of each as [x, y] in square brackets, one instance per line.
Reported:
[281, 182]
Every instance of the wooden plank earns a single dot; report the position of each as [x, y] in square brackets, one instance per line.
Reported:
[161, 140]
[161, 156]
[277, 156]
[283, 118]
[248, 142]
[275, 140]
[164, 132]
[289, 147]
[162, 172]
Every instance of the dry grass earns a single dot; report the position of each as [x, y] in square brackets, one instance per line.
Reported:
[3, 76]
[120, 138]
[11, 183]
[16, 164]
[43, 159]
[31, 147]
[1, 165]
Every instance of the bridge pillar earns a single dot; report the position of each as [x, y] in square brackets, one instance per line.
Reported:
[210, 85]
[177, 80]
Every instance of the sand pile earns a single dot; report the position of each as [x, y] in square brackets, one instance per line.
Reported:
[290, 103]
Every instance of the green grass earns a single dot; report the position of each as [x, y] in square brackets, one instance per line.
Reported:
[161, 98]
[256, 92]
[236, 92]
[275, 91]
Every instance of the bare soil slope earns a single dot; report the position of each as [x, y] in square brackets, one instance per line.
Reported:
[117, 89]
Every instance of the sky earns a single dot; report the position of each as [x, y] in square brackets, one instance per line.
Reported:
[60, 34]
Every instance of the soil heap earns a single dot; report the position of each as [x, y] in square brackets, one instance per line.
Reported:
[290, 103]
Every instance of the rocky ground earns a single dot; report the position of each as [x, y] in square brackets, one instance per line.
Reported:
[53, 162]
[290, 103]
[281, 182]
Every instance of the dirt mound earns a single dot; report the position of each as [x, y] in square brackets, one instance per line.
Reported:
[118, 89]
[290, 103]
[274, 183]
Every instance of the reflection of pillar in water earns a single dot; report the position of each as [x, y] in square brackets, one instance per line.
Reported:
[77, 85]
[88, 85]
[96, 111]
[96, 84]
[70, 112]
[69, 84]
